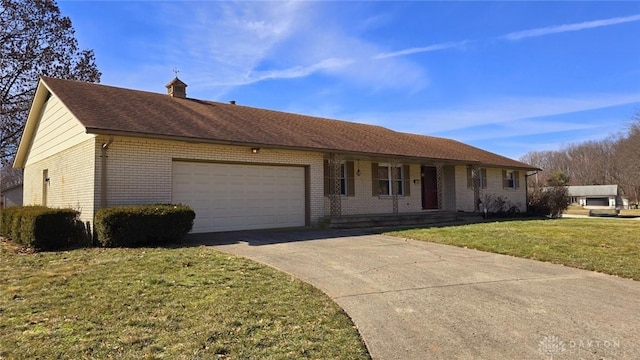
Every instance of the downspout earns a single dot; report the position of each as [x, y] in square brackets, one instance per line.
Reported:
[526, 189]
[103, 173]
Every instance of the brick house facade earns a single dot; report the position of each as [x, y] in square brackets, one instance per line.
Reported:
[88, 146]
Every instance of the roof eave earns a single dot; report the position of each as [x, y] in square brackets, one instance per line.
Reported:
[35, 111]
[100, 131]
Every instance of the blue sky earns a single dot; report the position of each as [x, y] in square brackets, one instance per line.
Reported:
[509, 77]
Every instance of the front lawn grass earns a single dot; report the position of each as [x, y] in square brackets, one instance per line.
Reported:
[610, 246]
[576, 210]
[161, 303]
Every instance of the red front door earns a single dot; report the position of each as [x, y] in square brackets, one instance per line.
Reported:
[429, 187]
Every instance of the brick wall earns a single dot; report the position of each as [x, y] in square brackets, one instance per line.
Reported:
[70, 182]
[140, 170]
[464, 195]
[365, 203]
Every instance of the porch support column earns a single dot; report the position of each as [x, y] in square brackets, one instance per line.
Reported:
[439, 187]
[335, 200]
[395, 178]
[475, 176]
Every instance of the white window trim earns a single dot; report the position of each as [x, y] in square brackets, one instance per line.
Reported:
[401, 189]
[511, 179]
[482, 177]
[343, 179]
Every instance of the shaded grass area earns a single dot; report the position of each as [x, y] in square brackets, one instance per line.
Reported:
[158, 303]
[610, 246]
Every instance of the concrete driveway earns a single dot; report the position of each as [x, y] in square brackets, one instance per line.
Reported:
[418, 300]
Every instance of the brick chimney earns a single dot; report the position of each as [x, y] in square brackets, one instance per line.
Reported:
[177, 88]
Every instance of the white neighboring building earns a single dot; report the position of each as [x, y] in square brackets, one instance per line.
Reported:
[595, 196]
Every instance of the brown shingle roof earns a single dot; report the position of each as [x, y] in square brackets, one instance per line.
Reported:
[106, 109]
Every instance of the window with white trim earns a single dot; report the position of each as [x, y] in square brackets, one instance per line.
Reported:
[510, 179]
[385, 179]
[482, 177]
[343, 179]
[345, 175]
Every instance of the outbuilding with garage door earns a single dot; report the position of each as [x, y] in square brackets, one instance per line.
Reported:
[595, 196]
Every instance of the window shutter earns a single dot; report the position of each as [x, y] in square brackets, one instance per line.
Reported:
[505, 182]
[469, 177]
[326, 177]
[375, 186]
[483, 172]
[516, 179]
[351, 182]
[406, 181]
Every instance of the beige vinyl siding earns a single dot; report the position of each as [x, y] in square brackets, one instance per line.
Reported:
[56, 131]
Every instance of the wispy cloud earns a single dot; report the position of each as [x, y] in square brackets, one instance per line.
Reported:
[518, 35]
[569, 27]
[291, 73]
[519, 128]
[221, 45]
[492, 111]
[430, 48]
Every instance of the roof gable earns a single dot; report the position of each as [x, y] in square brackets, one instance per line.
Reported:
[110, 110]
[62, 130]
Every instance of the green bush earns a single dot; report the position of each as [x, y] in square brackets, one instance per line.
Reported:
[7, 217]
[43, 228]
[138, 225]
[550, 201]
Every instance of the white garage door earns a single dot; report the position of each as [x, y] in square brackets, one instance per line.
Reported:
[230, 197]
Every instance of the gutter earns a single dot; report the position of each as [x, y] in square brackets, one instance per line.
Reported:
[103, 173]
[361, 155]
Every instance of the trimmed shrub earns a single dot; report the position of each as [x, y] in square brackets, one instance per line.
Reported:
[124, 226]
[43, 228]
[550, 201]
[7, 217]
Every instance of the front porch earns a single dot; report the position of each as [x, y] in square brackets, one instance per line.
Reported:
[426, 218]
[389, 186]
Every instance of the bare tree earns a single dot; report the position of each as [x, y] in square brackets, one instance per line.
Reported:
[10, 177]
[614, 160]
[35, 40]
[592, 162]
[552, 163]
[628, 161]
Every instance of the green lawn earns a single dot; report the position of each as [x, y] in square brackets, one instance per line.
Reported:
[610, 246]
[161, 303]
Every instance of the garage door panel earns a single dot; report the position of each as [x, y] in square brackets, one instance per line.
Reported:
[597, 201]
[237, 197]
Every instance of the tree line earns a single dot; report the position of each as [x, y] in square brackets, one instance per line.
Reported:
[612, 161]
